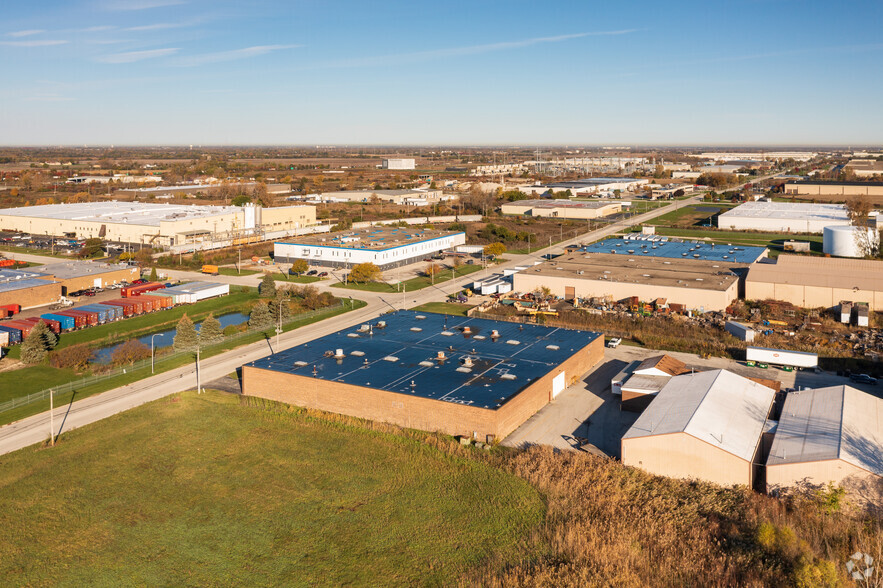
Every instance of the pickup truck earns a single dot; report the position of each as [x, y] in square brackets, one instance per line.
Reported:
[614, 342]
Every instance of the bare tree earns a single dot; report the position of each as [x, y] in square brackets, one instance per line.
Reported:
[867, 235]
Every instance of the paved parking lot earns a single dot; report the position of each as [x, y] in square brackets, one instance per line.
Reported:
[588, 411]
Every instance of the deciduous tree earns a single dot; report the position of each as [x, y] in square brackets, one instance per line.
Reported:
[365, 272]
[494, 249]
[299, 266]
[129, 352]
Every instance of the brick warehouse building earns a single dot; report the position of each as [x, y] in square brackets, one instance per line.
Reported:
[456, 375]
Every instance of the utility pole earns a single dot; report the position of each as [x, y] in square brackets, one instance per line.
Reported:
[198, 384]
[51, 419]
[404, 287]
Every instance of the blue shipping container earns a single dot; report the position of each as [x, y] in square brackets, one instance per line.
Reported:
[68, 323]
[102, 310]
[14, 334]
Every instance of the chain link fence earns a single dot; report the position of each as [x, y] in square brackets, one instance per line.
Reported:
[158, 361]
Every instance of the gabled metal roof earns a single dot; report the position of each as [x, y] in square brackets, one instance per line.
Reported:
[718, 407]
[838, 422]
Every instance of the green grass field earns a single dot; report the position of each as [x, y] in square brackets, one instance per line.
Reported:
[451, 308]
[689, 215]
[773, 241]
[413, 284]
[232, 271]
[279, 277]
[203, 490]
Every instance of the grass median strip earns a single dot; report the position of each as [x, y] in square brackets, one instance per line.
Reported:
[413, 284]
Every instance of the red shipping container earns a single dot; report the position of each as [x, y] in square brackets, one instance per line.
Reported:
[79, 319]
[12, 308]
[128, 309]
[91, 317]
[54, 326]
[24, 326]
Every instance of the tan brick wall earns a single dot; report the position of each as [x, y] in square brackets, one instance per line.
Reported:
[415, 411]
[31, 297]
[114, 277]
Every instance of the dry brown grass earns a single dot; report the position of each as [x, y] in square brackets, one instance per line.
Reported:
[609, 525]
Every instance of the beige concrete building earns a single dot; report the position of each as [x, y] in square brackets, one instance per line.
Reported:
[828, 435]
[28, 288]
[705, 426]
[402, 197]
[812, 282]
[865, 167]
[836, 191]
[162, 225]
[698, 284]
[80, 275]
[561, 209]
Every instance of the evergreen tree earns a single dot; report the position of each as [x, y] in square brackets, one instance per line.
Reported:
[280, 303]
[267, 288]
[210, 331]
[153, 277]
[260, 317]
[34, 347]
[50, 339]
[186, 338]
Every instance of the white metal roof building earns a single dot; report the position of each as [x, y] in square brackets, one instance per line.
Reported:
[824, 435]
[706, 426]
[149, 223]
[787, 217]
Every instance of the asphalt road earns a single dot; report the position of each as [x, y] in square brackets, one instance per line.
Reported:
[35, 429]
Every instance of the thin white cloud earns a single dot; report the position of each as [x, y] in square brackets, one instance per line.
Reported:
[157, 27]
[132, 56]
[26, 33]
[97, 29]
[404, 58]
[232, 55]
[34, 43]
[133, 5]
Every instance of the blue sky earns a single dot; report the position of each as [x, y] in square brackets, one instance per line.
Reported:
[302, 72]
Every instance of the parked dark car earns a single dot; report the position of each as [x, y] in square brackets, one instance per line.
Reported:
[139, 281]
[322, 274]
[89, 293]
[312, 272]
[863, 379]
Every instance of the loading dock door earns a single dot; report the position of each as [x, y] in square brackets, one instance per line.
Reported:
[558, 384]
[569, 292]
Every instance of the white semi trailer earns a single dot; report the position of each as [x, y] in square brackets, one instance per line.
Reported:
[783, 357]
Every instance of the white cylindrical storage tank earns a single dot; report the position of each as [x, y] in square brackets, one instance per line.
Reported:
[847, 241]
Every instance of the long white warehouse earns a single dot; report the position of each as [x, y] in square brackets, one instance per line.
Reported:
[385, 247]
[783, 217]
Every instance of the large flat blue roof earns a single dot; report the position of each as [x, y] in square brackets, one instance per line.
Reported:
[676, 249]
[406, 350]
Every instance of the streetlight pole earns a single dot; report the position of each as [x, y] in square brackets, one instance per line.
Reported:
[51, 419]
[152, 363]
[278, 324]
